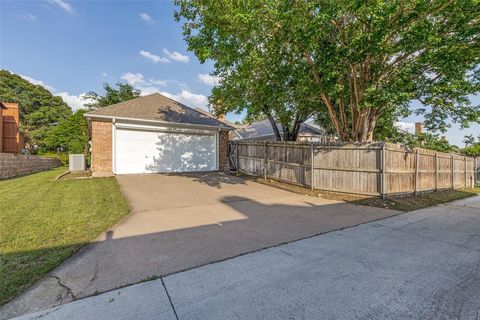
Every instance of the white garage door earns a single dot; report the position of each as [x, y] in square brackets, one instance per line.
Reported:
[148, 151]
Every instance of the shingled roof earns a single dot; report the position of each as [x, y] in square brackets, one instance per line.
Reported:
[262, 129]
[157, 107]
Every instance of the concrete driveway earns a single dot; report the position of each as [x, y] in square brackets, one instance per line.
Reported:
[420, 265]
[179, 222]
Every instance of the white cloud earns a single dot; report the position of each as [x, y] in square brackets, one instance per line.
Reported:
[162, 83]
[152, 85]
[64, 5]
[37, 82]
[75, 102]
[104, 74]
[153, 57]
[176, 56]
[146, 17]
[188, 98]
[27, 16]
[405, 126]
[146, 86]
[133, 78]
[208, 79]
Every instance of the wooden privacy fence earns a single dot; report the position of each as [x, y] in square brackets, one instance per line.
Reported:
[369, 169]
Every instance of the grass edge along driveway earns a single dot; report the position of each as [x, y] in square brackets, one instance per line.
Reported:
[43, 222]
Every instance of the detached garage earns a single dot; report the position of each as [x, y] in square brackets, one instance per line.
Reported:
[155, 134]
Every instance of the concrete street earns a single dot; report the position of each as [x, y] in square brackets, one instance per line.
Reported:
[419, 265]
[179, 222]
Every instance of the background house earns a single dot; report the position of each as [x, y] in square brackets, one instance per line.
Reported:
[11, 139]
[262, 130]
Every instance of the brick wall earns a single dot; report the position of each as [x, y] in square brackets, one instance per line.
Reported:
[223, 150]
[14, 165]
[101, 146]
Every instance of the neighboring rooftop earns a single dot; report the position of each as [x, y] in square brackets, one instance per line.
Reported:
[157, 107]
[264, 129]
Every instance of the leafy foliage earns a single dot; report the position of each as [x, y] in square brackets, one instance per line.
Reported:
[123, 92]
[50, 126]
[426, 140]
[423, 140]
[473, 150]
[352, 64]
[70, 135]
[472, 146]
[39, 109]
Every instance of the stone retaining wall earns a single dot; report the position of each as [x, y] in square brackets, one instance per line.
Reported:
[14, 165]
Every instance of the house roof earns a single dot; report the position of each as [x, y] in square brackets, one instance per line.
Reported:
[157, 107]
[231, 124]
[264, 129]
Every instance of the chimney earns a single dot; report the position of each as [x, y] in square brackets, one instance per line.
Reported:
[418, 128]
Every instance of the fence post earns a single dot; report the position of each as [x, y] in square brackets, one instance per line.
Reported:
[475, 168]
[465, 168]
[383, 158]
[237, 144]
[312, 166]
[417, 156]
[453, 172]
[436, 172]
[265, 155]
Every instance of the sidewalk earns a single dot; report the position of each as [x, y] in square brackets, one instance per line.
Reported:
[423, 264]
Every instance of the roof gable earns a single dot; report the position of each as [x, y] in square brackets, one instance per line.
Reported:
[157, 107]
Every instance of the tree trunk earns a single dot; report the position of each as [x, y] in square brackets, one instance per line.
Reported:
[286, 133]
[272, 123]
[291, 131]
[296, 129]
[371, 127]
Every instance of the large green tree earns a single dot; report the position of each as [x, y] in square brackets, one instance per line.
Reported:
[123, 92]
[257, 76]
[357, 63]
[39, 108]
[70, 136]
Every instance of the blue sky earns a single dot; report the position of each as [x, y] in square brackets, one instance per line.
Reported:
[73, 47]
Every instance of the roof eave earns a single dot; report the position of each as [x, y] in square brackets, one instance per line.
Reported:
[200, 126]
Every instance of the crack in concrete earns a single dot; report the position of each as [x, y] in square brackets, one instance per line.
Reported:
[287, 253]
[46, 313]
[169, 299]
[69, 291]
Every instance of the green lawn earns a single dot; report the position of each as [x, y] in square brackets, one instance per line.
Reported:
[43, 222]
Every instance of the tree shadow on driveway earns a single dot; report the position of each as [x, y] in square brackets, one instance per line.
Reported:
[155, 243]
